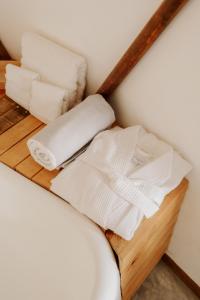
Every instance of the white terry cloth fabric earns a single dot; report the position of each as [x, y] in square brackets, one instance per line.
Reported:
[56, 65]
[122, 177]
[46, 101]
[18, 84]
[41, 238]
[60, 139]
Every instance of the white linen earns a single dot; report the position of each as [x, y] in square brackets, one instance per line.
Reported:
[56, 65]
[41, 237]
[60, 139]
[18, 84]
[123, 176]
[46, 101]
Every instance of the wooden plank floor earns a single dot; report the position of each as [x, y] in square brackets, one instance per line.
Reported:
[136, 258]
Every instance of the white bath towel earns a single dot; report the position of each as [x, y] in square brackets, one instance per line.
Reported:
[60, 139]
[56, 65]
[18, 84]
[123, 176]
[46, 101]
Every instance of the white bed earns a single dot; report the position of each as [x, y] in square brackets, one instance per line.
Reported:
[48, 250]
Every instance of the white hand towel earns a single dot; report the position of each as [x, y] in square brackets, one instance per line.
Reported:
[123, 176]
[56, 65]
[60, 139]
[46, 101]
[19, 83]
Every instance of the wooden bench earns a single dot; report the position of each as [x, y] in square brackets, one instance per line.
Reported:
[136, 258]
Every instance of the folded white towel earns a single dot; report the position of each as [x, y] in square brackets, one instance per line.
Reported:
[56, 65]
[123, 176]
[46, 101]
[60, 139]
[18, 84]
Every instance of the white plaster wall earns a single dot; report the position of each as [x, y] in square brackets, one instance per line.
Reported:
[162, 92]
[99, 29]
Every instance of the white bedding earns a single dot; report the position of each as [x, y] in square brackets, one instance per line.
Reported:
[48, 250]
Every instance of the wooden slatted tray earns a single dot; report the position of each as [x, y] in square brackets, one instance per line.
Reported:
[136, 258]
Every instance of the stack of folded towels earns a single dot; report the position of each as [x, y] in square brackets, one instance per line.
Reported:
[51, 78]
[122, 177]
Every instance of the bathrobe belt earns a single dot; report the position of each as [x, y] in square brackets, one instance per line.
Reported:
[142, 186]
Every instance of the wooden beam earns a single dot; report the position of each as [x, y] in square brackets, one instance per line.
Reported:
[4, 55]
[156, 25]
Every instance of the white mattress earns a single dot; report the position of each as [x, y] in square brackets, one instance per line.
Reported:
[48, 250]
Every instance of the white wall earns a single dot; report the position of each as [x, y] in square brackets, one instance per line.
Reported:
[162, 92]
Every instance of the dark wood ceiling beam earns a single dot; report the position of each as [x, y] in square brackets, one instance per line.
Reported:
[152, 30]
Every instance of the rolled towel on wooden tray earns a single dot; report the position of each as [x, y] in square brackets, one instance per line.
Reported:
[62, 138]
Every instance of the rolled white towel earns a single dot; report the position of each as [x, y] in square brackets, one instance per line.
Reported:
[46, 101]
[19, 83]
[60, 139]
[56, 65]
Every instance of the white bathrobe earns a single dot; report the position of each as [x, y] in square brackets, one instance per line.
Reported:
[122, 177]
